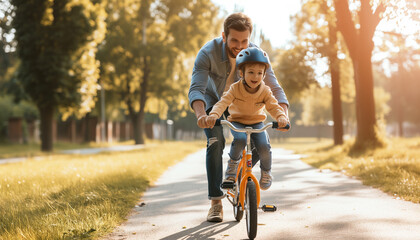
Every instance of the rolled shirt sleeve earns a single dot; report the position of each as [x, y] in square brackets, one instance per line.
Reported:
[199, 78]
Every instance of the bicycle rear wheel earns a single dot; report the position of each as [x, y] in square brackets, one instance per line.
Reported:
[251, 209]
[238, 210]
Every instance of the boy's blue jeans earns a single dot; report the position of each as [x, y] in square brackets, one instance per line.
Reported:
[214, 163]
[261, 143]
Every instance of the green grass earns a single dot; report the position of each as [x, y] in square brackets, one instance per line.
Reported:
[79, 197]
[395, 169]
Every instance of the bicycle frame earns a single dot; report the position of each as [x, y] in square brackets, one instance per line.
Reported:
[245, 164]
[247, 189]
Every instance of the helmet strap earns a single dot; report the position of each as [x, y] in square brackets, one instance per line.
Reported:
[246, 84]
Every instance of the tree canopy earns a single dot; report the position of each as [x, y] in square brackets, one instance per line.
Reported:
[146, 57]
[57, 43]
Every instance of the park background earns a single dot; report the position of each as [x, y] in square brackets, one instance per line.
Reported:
[80, 73]
[106, 71]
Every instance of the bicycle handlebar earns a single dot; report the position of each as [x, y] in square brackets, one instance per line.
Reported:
[230, 125]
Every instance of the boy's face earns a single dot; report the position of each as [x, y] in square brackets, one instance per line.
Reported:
[236, 41]
[253, 74]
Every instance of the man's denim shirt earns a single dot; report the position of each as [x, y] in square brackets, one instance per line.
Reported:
[211, 69]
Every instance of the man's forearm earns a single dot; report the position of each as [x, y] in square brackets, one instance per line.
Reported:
[285, 108]
[199, 108]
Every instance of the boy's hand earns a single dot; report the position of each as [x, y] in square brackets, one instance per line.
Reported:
[211, 120]
[283, 121]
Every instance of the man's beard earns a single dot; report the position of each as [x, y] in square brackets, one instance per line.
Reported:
[230, 51]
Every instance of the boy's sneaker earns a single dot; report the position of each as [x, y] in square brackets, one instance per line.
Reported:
[266, 179]
[230, 173]
[215, 213]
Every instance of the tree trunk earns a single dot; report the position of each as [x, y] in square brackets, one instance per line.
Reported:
[142, 131]
[337, 110]
[137, 121]
[134, 117]
[335, 85]
[360, 45]
[143, 97]
[73, 132]
[47, 118]
[365, 103]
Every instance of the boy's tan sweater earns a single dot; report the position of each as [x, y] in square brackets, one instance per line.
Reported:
[248, 108]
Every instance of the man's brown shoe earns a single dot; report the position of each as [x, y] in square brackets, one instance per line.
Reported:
[215, 213]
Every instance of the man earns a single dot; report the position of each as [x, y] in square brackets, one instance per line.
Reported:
[214, 71]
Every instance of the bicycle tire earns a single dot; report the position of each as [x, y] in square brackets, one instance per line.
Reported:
[251, 209]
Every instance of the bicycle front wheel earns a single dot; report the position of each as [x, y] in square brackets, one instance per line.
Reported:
[251, 209]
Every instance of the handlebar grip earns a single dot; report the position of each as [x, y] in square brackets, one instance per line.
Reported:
[276, 125]
[218, 123]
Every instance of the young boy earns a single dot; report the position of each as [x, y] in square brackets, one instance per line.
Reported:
[246, 100]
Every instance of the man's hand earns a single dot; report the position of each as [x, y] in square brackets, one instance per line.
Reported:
[283, 121]
[201, 121]
[211, 120]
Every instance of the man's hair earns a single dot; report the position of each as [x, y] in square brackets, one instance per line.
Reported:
[238, 21]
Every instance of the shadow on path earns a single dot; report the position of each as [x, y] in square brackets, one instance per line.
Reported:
[205, 230]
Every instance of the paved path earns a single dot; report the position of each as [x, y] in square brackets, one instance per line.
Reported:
[116, 148]
[82, 151]
[312, 204]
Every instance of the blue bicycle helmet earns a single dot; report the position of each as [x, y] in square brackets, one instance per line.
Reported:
[252, 55]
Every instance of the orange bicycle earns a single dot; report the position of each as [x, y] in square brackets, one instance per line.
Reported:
[244, 192]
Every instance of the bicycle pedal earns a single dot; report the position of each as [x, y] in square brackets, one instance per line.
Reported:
[269, 208]
[228, 184]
